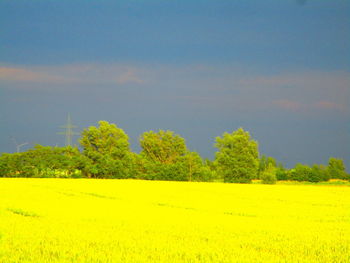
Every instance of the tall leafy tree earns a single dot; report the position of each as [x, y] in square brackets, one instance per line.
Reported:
[163, 155]
[108, 151]
[268, 176]
[237, 157]
[194, 163]
[162, 146]
[196, 169]
[266, 163]
[336, 169]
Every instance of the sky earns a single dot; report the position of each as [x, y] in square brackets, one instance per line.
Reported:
[279, 69]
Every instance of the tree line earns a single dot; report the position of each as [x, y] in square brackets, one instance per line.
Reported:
[164, 155]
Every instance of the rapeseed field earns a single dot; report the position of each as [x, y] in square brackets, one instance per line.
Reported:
[82, 220]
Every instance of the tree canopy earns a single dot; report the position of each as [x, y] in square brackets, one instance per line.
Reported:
[107, 150]
[336, 169]
[237, 156]
[162, 146]
[164, 156]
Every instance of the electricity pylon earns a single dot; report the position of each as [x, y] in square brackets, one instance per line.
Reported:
[69, 133]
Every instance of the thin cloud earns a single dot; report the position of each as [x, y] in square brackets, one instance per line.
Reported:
[327, 105]
[130, 76]
[288, 105]
[227, 89]
[219, 88]
[90, 74]
[316, 80]
[304, 91]
[13, 74]
[296, 106]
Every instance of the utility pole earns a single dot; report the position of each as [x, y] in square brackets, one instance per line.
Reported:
[69, 133]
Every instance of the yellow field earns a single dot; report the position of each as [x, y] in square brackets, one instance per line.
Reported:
[78, 220]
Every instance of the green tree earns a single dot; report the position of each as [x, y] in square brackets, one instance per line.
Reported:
[11, 164]
[108, 152]
[197, 170]
[300, 173]
[336, 169]
[264, 163]
[237, 157]
[268, 176]
[161, 156]
[165, 156]
[318, 173]
[162, 146]
[194, 163]
[71, 161]
[281, 173]
[44, 161]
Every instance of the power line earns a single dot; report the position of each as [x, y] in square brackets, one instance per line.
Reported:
[69, 133]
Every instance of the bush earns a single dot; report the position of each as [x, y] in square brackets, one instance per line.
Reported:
[318, 174]
[203, 175]
[281, 174]
[241, 176]
[300, 173]
[164, 172]
[269, 176]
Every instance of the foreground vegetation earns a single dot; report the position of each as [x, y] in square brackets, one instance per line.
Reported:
[164, 156]
[55, 220]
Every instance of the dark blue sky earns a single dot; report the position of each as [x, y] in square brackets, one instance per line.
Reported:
[279, 69]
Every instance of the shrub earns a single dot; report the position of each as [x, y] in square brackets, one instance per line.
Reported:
[300, 173]
[281, 174]
[203, 175]
[269, 176]
[318, 173]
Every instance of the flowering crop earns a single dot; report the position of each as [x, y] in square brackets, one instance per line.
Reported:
[86, 220]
